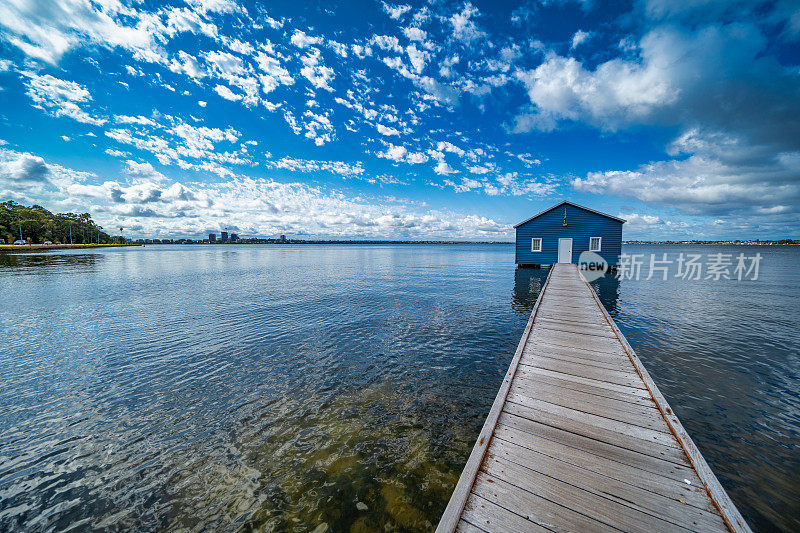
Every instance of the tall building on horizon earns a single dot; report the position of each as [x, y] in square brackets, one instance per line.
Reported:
[212, 237]
[224, 236]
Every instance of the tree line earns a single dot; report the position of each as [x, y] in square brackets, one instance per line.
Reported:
[37, 225]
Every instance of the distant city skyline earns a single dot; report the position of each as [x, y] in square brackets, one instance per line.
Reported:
[395, 120]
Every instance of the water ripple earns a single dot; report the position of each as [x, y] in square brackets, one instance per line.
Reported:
[275, 388]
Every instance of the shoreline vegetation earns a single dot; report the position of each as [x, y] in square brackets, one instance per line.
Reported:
[22, 248]
[45, 247]
[752, 242]
[37, 225]
[43, 230]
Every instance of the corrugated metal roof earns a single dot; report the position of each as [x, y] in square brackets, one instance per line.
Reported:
[573, 204]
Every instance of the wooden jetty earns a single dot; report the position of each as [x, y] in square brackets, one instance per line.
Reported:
[580, 439]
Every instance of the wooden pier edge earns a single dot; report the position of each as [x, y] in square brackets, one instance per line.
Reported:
[730, 514]
[532, 511]
[452, 513]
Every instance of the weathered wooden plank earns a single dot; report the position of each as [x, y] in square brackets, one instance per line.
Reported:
[556, 344]
[656, 465]
[570, 297]
[582, 312]
[617, 377]
[643, 416]
[565, 310]
[578, 303]
[580, 329]
[481, 513]
[568, 330]
[566, 288]
[671, 509]
[577, 357]
[465, 527]
[566, 421]
[664, 438]
[636, 432]
[573, 315]
[572, 318]
[573, 322]
[632, 391]
[536, 380]
[584, 342]
[537, 509]
[544, 387]
[589, 349]
[674, 487]
[579, 499]
[586, 337]
[596, 358]
[581, 351]
[568, 305]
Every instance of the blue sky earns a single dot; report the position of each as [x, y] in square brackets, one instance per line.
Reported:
[418, 120]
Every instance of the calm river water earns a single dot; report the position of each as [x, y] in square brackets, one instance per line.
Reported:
[318, 387]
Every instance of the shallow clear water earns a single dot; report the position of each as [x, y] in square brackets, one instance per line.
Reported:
[286, 387]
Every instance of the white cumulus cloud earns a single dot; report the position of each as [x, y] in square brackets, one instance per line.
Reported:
[60, 98]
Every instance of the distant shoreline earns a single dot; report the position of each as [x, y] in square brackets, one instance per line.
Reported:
[6, 248]
[719, 243]
[40, 247]
[298, 241]
[293, 241]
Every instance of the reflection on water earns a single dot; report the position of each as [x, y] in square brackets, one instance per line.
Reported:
[305, 387]
[607, 289]
[20, 263]
[528, 283]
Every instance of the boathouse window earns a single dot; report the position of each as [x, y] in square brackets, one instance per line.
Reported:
[594, 244]
[536, 245]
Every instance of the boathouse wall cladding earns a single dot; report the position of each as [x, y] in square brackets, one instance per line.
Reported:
[543, 236]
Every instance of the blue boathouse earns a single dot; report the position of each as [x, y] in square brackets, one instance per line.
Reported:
[560, 234]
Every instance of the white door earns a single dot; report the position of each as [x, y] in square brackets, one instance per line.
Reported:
[565, 250]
